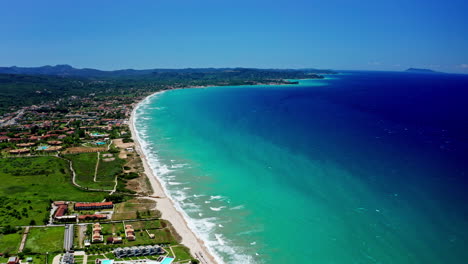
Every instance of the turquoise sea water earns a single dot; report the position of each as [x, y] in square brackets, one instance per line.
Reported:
[358, 168]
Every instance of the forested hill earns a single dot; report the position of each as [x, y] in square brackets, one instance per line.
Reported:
[67, 70]
[41, 85]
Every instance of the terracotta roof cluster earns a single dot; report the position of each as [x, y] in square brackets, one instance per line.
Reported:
[85, 205]
[93, 216]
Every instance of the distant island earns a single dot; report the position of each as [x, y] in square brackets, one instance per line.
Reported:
[421, 70]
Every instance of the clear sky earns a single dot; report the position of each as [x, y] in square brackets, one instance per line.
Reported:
[113, 34]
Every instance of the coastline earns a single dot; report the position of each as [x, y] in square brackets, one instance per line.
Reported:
[166, 205]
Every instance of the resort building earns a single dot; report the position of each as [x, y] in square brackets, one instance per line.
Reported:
[94, 206]
[61, 211]
[19, 151]
[138, 251]
[92, 217]
[67, 258]
[97, 236]
[130, 233]
[114, 240]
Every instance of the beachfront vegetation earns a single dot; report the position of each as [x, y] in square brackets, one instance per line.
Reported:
[182, 253]
[109, 168]
[144, 208]
[30, 184]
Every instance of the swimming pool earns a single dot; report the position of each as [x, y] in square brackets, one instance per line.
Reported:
[100, 143]
[42, 147]
[167, 260]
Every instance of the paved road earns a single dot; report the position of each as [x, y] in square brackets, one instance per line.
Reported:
[68, 237]
[12, 121]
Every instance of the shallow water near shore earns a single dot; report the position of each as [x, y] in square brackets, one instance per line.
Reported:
[364, 167]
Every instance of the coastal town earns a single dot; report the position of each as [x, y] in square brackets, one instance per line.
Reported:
[76, 184]
[75, 188]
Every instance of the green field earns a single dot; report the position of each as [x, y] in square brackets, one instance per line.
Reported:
[84, 165]
[29, 184]
[108, 170]
[37, 259]
[42, 240]
[10, 243]
[181, 253]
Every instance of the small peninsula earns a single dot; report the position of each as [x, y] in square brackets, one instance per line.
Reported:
[417, 70]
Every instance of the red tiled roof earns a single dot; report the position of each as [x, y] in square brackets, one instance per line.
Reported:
[61, 210]
[95, 216]
[93, 204]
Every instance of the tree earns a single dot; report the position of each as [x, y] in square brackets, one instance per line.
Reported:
[32, 222]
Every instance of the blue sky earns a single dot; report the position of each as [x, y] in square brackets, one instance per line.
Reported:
[112, 34]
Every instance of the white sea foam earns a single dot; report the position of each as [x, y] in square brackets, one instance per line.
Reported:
[237, 207]
[217, 208]
[216, 197]
[204, 228]
[178, 166]
[219, 237]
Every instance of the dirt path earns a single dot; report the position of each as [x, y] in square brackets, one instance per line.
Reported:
[74, 178]
[23, 240]
[81, 231]
[97, 165]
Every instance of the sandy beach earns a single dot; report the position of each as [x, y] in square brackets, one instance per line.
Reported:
[167, 207]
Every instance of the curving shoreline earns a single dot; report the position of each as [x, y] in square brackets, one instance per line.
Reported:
[166, 205]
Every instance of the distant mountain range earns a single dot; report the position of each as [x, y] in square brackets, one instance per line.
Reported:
[67, 70]
[421, 70]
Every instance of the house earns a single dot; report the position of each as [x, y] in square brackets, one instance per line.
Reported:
[93, 206]
[130, 233]
[22, 145]
[13, 260]
[54, 142]
[54, 148]
[97, 237]
[114, 240]
[97, 227]
[19, 151]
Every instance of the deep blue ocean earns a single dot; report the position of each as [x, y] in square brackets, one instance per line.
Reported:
[361, 167]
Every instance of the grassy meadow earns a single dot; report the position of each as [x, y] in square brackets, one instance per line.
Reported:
[42, 240]
[28, 186]
[84, 165]
[10, 242]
